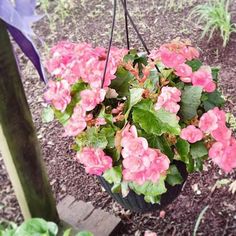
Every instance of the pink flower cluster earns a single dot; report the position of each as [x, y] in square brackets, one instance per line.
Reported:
[72, 62]
[175, 54]
[58, 94]
[141, 163]
[223, 150]
[203, 78]
[94, 160]
[89, 100]
[168, 99]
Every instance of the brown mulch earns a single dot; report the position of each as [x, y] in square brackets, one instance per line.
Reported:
[90, 21]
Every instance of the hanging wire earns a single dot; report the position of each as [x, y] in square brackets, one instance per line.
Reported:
[126, 24]
[136, 29]
[110, 42]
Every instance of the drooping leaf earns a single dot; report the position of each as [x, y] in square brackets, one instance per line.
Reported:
[194, 64]
[183, 148]
[155, 122]
[199, 154]
[47, 114]
[152, 199]
[215, 73]
[149, 188]
[122, 82]
[212, 100]
[190, 101]
[173, 176]
[198, 150]
[113, 175]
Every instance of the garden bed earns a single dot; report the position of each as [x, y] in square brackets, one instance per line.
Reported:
[90, 21]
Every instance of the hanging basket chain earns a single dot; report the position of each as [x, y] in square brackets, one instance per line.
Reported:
[127, 16]
[126, 24]
[110, 42]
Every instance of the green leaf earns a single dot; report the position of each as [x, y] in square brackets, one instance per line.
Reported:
[47, 114]
[155, 122]
[199, 154]
[159, 142]
[166, 73]
[198, 150]
[183, 148]
[173, 176]
[67, 232]
[113, 175]
[96, 139]
[109, 133]
[152, 81]
[190, 101]
[62, 117]
[107, 117]
[215, 73]
[149, 188]
[122, 82]
[212, 100]
[124, 188]
[37, 226]
[52, 228]
[152, 199]
[84, 233]
[194, 64]
[135, 96]
[116, 188]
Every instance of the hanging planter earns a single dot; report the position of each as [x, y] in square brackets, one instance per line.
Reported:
[140, 121]
[137, 203]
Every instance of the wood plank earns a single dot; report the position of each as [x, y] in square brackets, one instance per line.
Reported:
[18, 140]
[83, 216]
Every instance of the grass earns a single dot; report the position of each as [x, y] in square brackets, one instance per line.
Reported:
[215, 16]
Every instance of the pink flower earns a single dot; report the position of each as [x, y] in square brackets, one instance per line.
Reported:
[203, 78]
[77, 122]
[168, 99]
[141, 163]
[191, 134]
[190, 53]
[91, 98]
[208, 122]
[72, 62]
[184, 71]
[95, 160]
[58, 94]
[169, 58]
[224, 155]
[150, 233]
[213, 122]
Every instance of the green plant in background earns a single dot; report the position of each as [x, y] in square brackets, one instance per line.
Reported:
[215, 16]
[61, 10]
[35, 227]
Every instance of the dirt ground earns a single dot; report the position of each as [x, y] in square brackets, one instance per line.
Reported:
[90, 21]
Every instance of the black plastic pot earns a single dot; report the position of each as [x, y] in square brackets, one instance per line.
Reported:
[136, 203]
